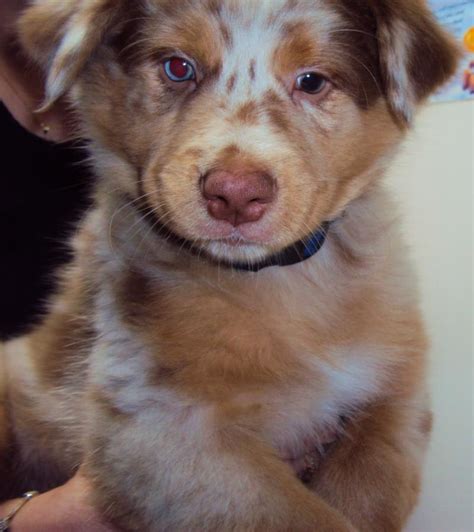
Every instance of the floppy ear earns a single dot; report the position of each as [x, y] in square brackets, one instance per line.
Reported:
[416, 54]
[61, 35]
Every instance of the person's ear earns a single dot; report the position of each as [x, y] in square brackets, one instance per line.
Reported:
[416, 55]
[61, 36]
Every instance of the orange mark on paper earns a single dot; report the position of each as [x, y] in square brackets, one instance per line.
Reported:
[469, 40]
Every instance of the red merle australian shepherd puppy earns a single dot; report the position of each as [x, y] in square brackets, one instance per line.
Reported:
[237, 344]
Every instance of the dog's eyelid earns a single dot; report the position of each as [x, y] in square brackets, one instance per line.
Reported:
[164, 54]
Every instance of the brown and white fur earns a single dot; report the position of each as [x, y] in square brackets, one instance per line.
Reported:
[182, 386]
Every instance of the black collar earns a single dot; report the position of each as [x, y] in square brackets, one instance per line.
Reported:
[294, 254]
[299, 252]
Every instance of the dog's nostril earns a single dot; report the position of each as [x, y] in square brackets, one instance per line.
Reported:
[259, 200]
[216, 201]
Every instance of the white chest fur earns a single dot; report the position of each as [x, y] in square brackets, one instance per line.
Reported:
[304, 415]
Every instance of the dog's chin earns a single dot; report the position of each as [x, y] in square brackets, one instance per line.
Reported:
[236, 252]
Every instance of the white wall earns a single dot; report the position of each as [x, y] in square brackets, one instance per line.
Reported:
[433, 181]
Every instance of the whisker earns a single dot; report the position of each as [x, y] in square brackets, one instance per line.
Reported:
[348, 30]
[366, 68]
[116, 213]
[136, 43]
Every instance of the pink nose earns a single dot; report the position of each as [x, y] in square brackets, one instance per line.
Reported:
[238, 199]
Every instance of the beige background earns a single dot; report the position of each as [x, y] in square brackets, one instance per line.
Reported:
[433, 181]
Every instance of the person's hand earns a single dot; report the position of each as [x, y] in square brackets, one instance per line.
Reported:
[21, 85]
[64, 509]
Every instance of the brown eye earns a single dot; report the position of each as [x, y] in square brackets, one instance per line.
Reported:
[311, 82]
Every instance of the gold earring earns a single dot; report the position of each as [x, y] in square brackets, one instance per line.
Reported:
[46, 129]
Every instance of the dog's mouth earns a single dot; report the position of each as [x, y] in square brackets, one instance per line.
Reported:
[218, 251]
[236, 252]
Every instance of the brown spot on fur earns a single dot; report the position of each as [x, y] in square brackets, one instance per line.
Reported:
[272, 98]
[248, 113]
[275, 109]
[252, 67]
[278, 118]
[230, 85]
[226, 34]
[133, 295]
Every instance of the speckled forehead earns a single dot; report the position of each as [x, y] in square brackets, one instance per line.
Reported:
[255, 29]
[276, 10]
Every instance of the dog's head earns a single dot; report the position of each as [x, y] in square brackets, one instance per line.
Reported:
[243, 125]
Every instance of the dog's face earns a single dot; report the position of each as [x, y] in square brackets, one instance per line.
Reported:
[243, 125]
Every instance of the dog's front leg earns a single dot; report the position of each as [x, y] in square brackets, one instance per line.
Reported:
[188, 468]
[373, 474]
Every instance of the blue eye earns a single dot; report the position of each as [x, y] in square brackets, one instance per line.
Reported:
[178, 69]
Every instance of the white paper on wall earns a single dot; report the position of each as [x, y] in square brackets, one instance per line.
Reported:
[458, 17]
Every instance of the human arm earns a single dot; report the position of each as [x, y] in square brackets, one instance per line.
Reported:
[65, 508]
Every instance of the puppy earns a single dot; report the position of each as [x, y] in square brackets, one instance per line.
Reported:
[239, 298]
